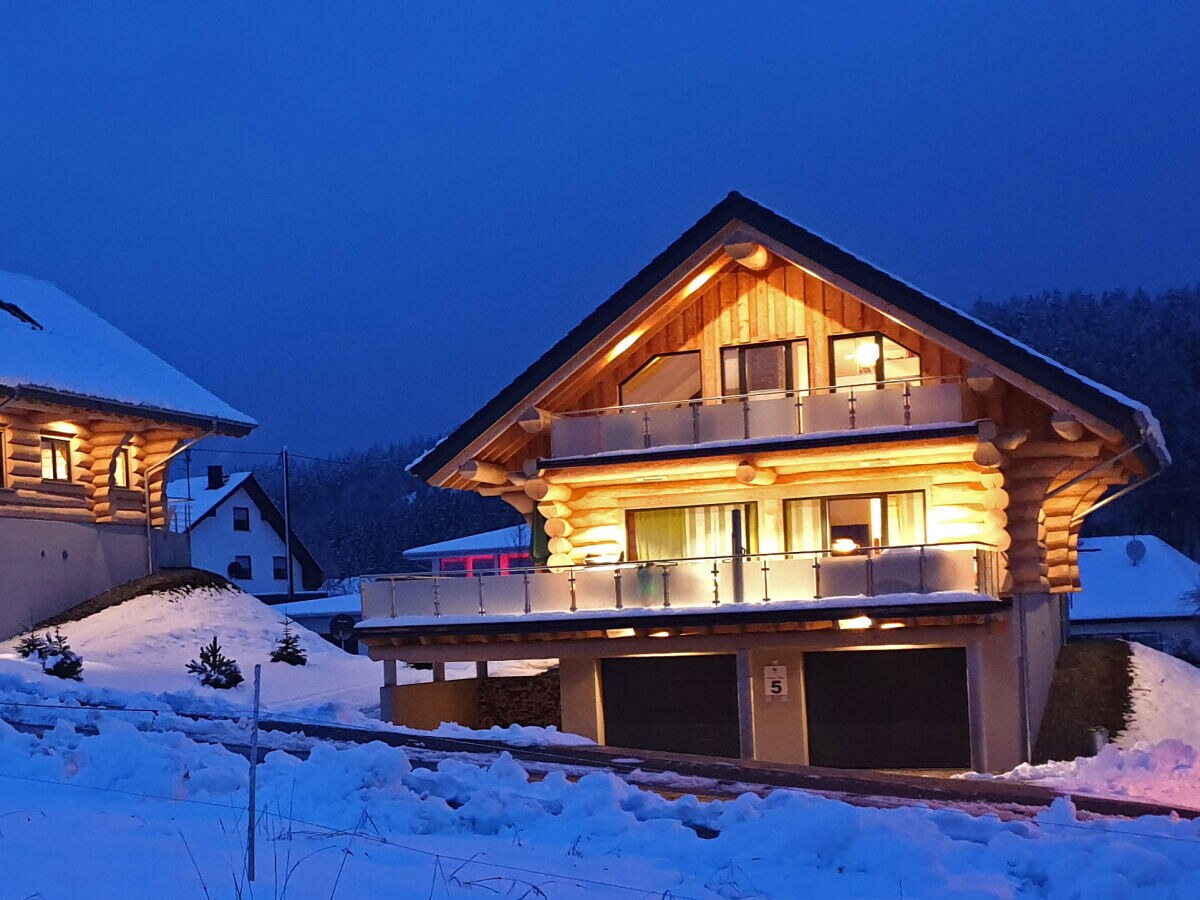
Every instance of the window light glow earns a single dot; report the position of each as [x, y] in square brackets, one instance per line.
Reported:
[661, 633]
[867, 354]
[619, 632]
[62, 427]
[844, 545]
[855, 624]
[890, 625]
[698, 282]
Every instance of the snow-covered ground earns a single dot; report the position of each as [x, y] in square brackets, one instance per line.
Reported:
[147, 815]
[1156, 757]
[136, 653]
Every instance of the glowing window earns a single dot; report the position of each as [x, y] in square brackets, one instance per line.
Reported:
[120, 470]
[671, 376]
[56, 459]
[867, 359]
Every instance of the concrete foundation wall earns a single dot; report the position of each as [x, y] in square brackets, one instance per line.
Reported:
[47, 567]
[1043, 640]
[428, 705]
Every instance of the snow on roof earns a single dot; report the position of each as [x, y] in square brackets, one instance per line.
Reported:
[328, 606]
[185, 512]
[511, 538]
[54, 343]
[1114, 588]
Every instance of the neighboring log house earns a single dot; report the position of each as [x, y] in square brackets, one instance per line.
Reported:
[89, 421]
[789, 508]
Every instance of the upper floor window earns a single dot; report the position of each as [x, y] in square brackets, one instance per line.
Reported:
[56, 458]
[241, 518]
[867, 359]
[849, 524]
[777, 368]
[663, 378]
[689, 532]
[120, 469]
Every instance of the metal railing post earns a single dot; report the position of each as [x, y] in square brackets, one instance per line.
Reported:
[646, 428]
[817, 577]
[571, 586]
[617, 588]
[870, 567]
[695, 423]
[392, 585]
[921, 569]
[907, 404]
[851, 403]
[528, 608]
[746, 417]
[799, 414]
[766, 570]
[479, 579]
[716, 574]
[666, 578]
[437, 599]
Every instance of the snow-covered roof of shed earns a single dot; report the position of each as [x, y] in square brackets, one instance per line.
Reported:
[203, 500]
[1114, 588]
[513, 537]
[57, 350]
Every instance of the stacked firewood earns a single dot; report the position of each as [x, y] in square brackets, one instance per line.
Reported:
[530, 700]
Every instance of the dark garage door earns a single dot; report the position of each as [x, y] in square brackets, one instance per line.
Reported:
[683, 703]
[888, 709]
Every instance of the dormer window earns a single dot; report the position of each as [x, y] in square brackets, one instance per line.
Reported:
[868, 359]
[56, 458]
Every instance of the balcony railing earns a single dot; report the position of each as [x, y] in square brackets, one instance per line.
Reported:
[894, 404]
[708, 582]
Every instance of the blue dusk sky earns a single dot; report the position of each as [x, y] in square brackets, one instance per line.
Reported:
[357, 221]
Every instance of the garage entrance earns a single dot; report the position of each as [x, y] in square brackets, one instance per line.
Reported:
[888, 709]
[686, 704]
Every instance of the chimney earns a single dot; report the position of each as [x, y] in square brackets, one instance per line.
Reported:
[216, 478]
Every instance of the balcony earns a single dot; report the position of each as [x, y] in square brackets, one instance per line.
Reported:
[749, 417]
[878, 576]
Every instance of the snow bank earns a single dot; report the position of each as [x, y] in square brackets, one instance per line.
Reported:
[155, 814]
[1165, 698]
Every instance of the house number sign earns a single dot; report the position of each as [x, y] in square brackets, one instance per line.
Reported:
[775, 680]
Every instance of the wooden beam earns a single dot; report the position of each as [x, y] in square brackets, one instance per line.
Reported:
[483, 472]
[748, 473]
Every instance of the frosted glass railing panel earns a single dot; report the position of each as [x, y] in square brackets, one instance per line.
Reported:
[672, 425]
[623, 430]
[722, 422]
[377, 599]
[879, 408]
[789, 579]
[725, 580]
[642, 587]
[594, 590]
[575, 436]
[843, 576]
[504, 595]
[826, 412]
[692, 584]
[950, 570]
[897, 571]
[930, 403]
[458, 596]
[548, 592]
[773, 418]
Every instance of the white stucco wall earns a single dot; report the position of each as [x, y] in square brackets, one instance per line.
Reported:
[215, 544]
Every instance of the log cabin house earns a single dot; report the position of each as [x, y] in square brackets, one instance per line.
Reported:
[789, 507]
[89, 421]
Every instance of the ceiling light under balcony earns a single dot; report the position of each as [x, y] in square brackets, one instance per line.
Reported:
[857, 623]
[661, 633]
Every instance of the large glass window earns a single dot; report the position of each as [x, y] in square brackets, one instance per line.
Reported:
[848, 524]
[866, 359]
[690, 531]
[56, 459]
[765, 368]
[671, 376]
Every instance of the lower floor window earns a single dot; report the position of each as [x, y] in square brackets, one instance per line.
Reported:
[279, 568]
[241, 568]
[690, 531]
[848, 524]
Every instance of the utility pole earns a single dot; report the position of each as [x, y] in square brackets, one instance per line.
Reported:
[253, 774]
[287, 524]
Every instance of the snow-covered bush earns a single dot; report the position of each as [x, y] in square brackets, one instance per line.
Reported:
[288, 649]
[59, 660]
[215, 669]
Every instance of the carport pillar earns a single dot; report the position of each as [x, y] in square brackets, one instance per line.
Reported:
[745, 702]
[580, 697]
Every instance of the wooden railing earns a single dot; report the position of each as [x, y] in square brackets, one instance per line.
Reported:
[889, 404]
[701, 582]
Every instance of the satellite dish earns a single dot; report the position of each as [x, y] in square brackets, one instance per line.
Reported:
[341, 626]
[1136, 551]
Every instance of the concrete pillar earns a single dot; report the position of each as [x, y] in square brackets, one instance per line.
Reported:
[580, 697]
[745, 704]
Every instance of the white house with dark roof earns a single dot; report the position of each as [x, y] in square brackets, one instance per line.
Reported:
[89, 421]
[236, 530]
[500, 550]
[1138, 588]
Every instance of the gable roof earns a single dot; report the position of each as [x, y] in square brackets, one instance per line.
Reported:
[1131, 418]
[58, 351]
[1113, 588]
[205, 501]
[511, 538]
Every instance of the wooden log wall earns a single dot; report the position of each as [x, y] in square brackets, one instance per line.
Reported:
[90, 496]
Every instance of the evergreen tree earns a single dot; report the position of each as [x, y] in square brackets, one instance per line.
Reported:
[59, 659]
[215, 669]
[288, 649]
[32, 644]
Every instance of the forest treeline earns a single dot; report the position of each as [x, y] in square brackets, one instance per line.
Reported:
[358, 513]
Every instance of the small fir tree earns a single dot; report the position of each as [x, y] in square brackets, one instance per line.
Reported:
[288, 649]
[59, 659]
[215, 669]
[32, 644]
